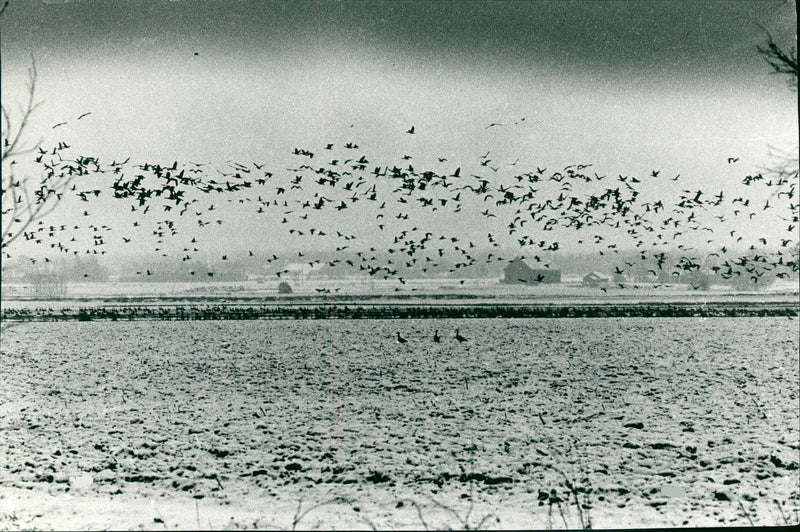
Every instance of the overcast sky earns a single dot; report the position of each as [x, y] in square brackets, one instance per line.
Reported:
[629, 86]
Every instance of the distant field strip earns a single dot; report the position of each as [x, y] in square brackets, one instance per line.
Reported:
[365, 311]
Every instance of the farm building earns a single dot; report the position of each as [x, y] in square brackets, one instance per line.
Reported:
[301, 272]
[595, 279]
[518, 272]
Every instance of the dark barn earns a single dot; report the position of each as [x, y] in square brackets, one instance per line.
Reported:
[518, 272]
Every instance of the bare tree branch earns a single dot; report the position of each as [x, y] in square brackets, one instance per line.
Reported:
[782, 62]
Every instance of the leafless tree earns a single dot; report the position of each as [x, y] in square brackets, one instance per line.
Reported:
[783, 165]
[26, 196]
[780, 60]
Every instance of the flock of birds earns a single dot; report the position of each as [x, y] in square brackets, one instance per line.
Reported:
[403, 200]
[436, 338]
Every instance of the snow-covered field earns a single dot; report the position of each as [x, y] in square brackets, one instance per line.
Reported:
[332, 423]
[571, 287]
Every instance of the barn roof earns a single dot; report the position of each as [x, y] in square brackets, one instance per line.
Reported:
[303, 267]
[517, 261]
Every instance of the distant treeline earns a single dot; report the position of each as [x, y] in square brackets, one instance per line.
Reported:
[228, 312]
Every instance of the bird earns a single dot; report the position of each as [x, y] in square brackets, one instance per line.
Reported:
[411, 131]
[436, 337]
[400, 339]
[459, 337]
[84, 115]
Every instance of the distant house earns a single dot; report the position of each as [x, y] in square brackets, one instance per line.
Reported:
[302, 271]
[595, 279]
[518, 272]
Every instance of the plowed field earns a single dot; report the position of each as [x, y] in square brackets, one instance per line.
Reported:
[531, 423]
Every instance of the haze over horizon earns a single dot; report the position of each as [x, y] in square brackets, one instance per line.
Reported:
[630, 88]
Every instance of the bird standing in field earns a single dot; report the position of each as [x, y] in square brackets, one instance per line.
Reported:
[460, 338]
[400, 339]
[436, 337]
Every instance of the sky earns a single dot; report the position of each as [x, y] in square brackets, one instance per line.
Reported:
[628, 86]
